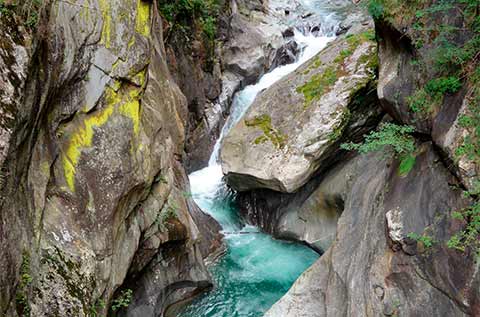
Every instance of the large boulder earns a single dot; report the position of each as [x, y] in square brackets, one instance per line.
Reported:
[294, 126]
[374, 267]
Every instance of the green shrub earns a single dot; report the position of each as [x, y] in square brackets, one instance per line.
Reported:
[123, 300]
[468, 237]
[181, 13]
[389, 135]
[425, 99]
[98, 305]
[426, 240]
[376, 9]
[470, 145]
[6, 10]
[209, 27]
[27, 11]
[397, 137]
[443, 85]
[420, 101]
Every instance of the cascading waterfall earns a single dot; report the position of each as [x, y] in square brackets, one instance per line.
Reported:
[256, 270]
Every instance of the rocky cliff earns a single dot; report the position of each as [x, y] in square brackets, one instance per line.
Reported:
[94, 211]
[396, 216]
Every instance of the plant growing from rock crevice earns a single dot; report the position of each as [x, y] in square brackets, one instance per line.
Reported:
[123, 300]
[452, 63]
[425, 239]
[469, 236]
[389, 136]
[21, 298]
[181, 13]
[28, 11]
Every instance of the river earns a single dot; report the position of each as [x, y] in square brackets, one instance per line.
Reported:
[256, 270]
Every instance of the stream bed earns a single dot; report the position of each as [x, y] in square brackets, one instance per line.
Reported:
[256, 270]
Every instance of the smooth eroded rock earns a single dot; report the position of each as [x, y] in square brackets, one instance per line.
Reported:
[294, 126]
[371, 268]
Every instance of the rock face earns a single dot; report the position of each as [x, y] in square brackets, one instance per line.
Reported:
[373, 267]
[13, 70]
[293, 128]
[315, 220]
[310, 215]
[406, 67]
[93, 206]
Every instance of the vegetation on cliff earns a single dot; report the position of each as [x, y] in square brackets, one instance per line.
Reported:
[389, 136]
[27, 11]
[450, 30]
[180, 14]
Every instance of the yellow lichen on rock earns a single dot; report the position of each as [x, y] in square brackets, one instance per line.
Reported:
[107, 22]
[139, 78]
[131, 108]
[142, 23]
[83, 138]
[120, 99]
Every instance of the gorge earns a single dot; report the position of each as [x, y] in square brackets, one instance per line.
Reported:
[275, 158]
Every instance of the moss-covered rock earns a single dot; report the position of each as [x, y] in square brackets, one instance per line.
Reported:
[295, 126]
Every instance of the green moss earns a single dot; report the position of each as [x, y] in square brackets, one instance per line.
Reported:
[322, 83]
[338, 129]
[264, 123]
[370, 61]
[343, 55]
[261, 139]
[319, 84]
[406, 164]
[354, 40]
